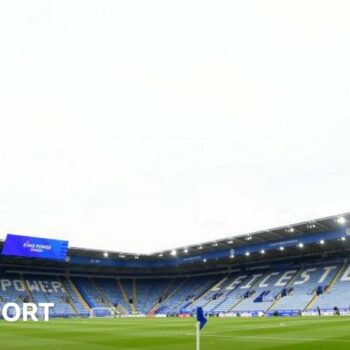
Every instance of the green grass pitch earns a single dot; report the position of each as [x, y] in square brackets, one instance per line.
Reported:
[171, 333]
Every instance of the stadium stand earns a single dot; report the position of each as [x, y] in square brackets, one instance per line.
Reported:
[264, 292]
[47, 289]
[80, 305]
[13, 289]
[149, 294]
[38, 289]
[112, 295]
[87, 289]
[337, 293]
[304, 288]
[127, 289]
[289, 281]
[285, 291]
[238, 288]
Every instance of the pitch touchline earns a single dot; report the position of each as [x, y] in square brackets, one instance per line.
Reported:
[279, 338]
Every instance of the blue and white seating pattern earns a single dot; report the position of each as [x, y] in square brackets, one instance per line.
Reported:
[338, 295]
[305, 285]
[89, 292]
[111, 292]
[148, 294]
[12, 289]
[264, 293]
[233, 292]
[308, 287]
[189, 289]
[50, 290]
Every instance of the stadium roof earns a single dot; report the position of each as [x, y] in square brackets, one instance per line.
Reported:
[282, 232]
[277, 233]
[191, 256]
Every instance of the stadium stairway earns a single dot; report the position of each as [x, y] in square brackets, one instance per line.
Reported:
[182, 294]
[189, 291]
[252, 291]
[288, 286]
[336, 277]
[217, 294]
[134, 294]
[203, 291]
[104, 297]
[26, 287]
[160, 299]
[110, 289]
[89, 292]
[312, 300]
[304, 287]
[80, 304]
[167, 288]
[178, 284]
[222, 292]
[338, 293]
[149, 293]
[233, 294]
[214, 296]
[328, 289]
[71, 301]
[236, 305]
[204, 299]
[125, 295]
[173, 302]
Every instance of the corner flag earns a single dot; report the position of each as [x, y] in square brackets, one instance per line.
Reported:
[201, 318]
[201, 321]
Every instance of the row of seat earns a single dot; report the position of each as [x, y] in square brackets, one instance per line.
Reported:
[299, 289]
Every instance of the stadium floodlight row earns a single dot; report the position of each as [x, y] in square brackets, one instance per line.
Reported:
[298, 269]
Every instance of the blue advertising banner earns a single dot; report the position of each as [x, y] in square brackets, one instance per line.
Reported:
[34, 247]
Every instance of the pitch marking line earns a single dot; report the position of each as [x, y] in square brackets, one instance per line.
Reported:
[254, 338]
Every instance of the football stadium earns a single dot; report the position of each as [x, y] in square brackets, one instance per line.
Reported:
[284, 287]
[174, 174]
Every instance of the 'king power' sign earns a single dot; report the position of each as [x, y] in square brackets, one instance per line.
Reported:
[35, 247]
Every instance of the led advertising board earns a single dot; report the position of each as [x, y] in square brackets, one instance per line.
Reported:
[35, 247]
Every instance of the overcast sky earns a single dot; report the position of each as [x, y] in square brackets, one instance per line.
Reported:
[144, 125]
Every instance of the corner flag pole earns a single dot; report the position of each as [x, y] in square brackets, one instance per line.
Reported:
[198, 331]
[201, 321]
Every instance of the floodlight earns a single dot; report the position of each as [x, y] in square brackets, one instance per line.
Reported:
[341, 220]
